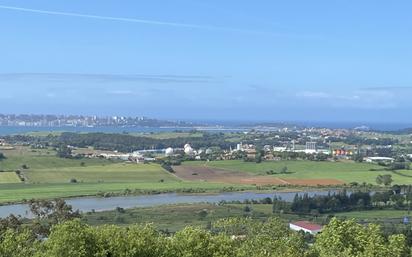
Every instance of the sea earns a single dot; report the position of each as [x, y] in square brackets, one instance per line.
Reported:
[11, 130]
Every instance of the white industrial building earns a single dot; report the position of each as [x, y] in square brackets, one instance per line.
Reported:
[378, 159]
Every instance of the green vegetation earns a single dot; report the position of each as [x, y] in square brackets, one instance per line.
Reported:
[47, 176]
[236, 237]
[41, 159]
[170, 135]
[347, 171]
[18, 192]
[129, 143]
[374, 215]
[170, 217]
[118, 172]
[9, 177]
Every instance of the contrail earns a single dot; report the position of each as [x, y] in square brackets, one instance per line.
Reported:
[142, 21]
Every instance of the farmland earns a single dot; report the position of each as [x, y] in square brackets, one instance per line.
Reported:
[20, 191]
[36, 159]
[204, 173]
[9, 177]
[47, 176]
[117, 172]
[346, 171]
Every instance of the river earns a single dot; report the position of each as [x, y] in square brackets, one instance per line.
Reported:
[86, 204]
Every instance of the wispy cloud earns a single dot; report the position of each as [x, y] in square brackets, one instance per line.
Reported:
[313, 95]
[164, 23]
[88, 77]
[358, 98]
[120, 92]
[130, 20]
[395, 88]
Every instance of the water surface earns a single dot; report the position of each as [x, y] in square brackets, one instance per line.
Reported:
[86, 204]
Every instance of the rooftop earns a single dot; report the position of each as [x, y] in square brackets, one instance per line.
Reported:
[307, 225]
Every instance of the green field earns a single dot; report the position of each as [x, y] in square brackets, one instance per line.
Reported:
[346, 171]
[41, 159]
[374, 214]
[18, 192]
[117, 172]
[9, 177]
[48, 176]
[176, 217]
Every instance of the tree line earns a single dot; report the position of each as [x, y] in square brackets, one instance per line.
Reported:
[57, 231]
[233, 237]
[129, 143]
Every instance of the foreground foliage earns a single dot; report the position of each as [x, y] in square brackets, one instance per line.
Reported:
[240, 237]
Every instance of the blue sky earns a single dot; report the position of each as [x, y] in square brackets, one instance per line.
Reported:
[208, 60]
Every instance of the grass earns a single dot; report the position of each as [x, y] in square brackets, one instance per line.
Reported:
[18, 192]
[374, 214]
[9, 177]
[48, 176]
[176, 217]
[41, 159]
[171, 217]
[346, 171]
[117, 172]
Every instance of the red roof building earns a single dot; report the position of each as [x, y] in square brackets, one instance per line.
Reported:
[305, 226]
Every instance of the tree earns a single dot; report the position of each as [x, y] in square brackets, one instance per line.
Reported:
[269, 238]
[258, 157]
[49, 213]
[284, 170]
[384, 179]
[18, 243]
[10, 222]
[196, 242]
[350, 239]
[63, 151]
[70, 239]
[136, 240]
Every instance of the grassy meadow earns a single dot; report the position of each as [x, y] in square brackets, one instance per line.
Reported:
[347, 171]
[116, 172]
[9, 177]
[374, 215]
[36, 159]
[20, 191]
[176, 217]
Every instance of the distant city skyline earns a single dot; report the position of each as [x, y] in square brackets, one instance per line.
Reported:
[229, 60]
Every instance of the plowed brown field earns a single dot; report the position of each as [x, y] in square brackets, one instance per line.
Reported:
[197, 173]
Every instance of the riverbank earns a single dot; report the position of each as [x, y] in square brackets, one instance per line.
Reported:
[172, 218]
[20, 193]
